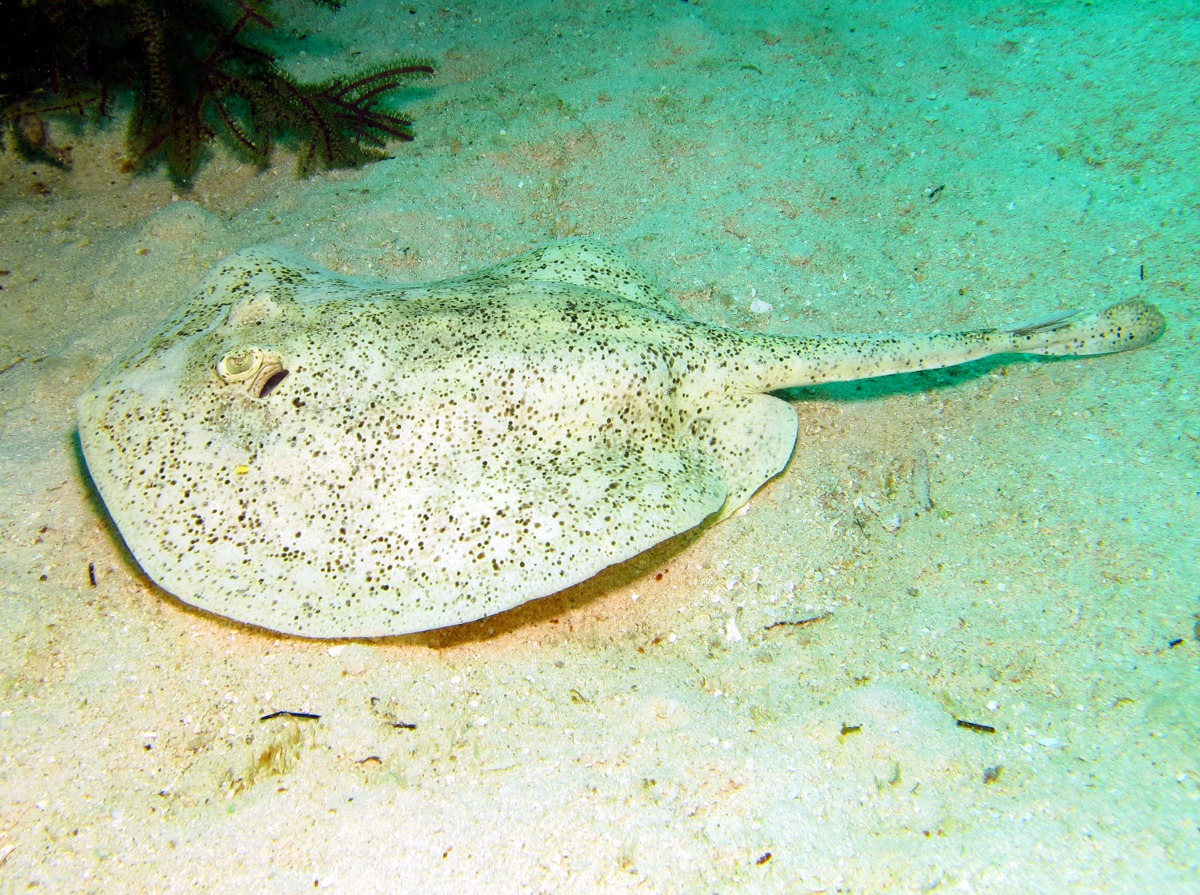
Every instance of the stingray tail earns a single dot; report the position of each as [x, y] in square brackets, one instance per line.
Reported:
[787, 362]
[1120, 327]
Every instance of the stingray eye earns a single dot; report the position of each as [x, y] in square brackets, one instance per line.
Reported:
[256, 370]
[240, 365]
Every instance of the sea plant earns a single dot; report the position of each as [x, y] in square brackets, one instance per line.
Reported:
[197, 70]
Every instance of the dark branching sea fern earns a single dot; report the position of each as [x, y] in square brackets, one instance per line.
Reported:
[195, 75]
[339, 120]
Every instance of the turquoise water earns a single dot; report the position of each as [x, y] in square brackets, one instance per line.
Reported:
[1011, 544]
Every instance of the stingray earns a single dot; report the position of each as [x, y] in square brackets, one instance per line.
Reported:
[328, 456]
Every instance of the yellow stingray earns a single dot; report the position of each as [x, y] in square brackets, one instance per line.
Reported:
[336, 457]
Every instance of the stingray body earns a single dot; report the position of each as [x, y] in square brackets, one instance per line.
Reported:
[333, 457]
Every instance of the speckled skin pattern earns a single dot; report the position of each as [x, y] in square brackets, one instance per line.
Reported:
[332, 457]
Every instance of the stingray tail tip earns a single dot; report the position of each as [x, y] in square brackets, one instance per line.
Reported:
[1119, 327]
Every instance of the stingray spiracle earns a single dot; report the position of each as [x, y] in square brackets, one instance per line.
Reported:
[255, 369]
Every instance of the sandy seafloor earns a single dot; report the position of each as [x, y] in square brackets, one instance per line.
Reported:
[855, 166]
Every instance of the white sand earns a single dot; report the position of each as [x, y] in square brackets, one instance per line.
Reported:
[620, 737]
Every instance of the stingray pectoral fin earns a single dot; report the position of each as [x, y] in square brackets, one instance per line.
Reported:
[577, 261]
[1120, 327]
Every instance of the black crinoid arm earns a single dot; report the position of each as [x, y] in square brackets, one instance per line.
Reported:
[195, 74]
[339, 123]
